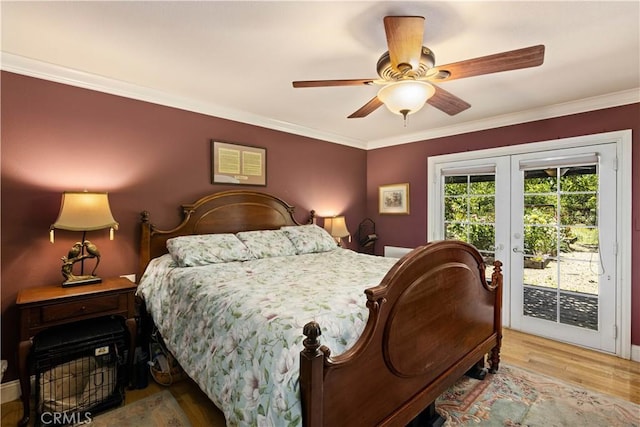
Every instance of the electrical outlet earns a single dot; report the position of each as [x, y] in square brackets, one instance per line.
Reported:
[131, 277]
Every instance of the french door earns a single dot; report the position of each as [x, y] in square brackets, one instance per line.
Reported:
[551, 217]
[563, 245]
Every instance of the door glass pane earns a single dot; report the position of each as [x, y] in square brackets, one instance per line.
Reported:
[469, 212]
[561, 258]
[456, 231]
[579, 310]
[541, 274]
[482, 208]
[540, 303]
[579, 209]
[455, 186]
[539, 207]
[483, 237]
[540, 181]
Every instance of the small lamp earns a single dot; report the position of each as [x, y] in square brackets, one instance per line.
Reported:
[83, 211]
[406, 96]
[337, 227]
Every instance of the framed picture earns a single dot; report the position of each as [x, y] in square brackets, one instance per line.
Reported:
[238, 164]
[394, 199]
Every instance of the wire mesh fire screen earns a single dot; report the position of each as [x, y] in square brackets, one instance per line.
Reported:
[79, 370]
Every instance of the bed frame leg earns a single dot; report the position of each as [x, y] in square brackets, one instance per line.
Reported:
[494, 360]
[429, 417]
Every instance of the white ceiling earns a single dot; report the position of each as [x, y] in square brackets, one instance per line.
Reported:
[237, 59]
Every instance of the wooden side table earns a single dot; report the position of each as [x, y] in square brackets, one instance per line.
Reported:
[43, 307]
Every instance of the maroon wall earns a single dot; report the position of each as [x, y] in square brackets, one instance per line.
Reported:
[148, 157]
[408, 163]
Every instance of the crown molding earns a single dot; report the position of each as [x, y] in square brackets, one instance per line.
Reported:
[55, 73]
[616, 99]
[46, 71]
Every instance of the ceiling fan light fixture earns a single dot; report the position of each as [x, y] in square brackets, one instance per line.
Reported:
[406, 96]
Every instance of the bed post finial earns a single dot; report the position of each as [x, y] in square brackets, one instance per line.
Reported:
[312, 217]
[144, 216]
[312, 331]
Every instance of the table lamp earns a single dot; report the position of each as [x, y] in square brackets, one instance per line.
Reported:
[83, 211]
[337, 227]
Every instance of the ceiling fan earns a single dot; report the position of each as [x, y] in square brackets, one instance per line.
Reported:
[408, 72]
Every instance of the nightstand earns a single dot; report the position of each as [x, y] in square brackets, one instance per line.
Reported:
[43, 307]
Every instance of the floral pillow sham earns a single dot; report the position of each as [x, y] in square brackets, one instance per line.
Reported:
[309, 238]
[204, 249]
[267, 243]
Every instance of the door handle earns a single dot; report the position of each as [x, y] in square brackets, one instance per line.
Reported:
[517, 250]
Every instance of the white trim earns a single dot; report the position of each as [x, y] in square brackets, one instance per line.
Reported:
[635, 353]
[396, 251]
[10, 391]
[625, 97]
[42, 70]
[46, 71]
[624, 220]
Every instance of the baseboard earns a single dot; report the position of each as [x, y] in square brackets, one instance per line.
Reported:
[10, 391]
[396, 251]
[635, 353]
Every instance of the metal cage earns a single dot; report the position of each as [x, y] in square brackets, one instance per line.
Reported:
[79, 370]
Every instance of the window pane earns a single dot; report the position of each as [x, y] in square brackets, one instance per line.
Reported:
[579, 310]
[540, 303]
[482, 208]
[584, 239]
[538, 181]
[540, 272]
[540, 240]
[482, 184]
[455, 208]
[456, 231]
[579, 275]
[540, 209]
[579, 209]
[455, 185]
[483, 237]
[579, 178]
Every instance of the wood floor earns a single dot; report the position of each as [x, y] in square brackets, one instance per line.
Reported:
[588, 369]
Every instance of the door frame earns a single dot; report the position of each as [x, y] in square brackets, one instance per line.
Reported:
[624, 226]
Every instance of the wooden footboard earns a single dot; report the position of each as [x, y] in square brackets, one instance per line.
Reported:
[432, 318]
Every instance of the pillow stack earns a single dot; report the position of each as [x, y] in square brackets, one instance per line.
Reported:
[204, 249]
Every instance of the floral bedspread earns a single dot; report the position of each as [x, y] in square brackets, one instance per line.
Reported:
[236, 327]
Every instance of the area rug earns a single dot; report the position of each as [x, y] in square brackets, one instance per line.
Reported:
[157, 410]
[516, 397]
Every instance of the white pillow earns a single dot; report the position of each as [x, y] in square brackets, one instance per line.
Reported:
[267, 243]
[310, 238]
[203, 249]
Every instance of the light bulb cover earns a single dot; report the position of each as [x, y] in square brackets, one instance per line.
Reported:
[406, 96]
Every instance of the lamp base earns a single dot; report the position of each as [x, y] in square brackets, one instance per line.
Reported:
[81, 280]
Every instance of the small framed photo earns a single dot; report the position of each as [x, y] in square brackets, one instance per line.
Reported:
[394, 199]
[238, 164]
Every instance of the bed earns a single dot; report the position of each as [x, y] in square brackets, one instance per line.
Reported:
[374, 343]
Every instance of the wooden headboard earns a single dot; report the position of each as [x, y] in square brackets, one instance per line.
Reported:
[225, 212]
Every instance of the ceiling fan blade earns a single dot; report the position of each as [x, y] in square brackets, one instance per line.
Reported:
[512, 60]
[367, 108]
[404, 40]
[325, 83]
[447, 102]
